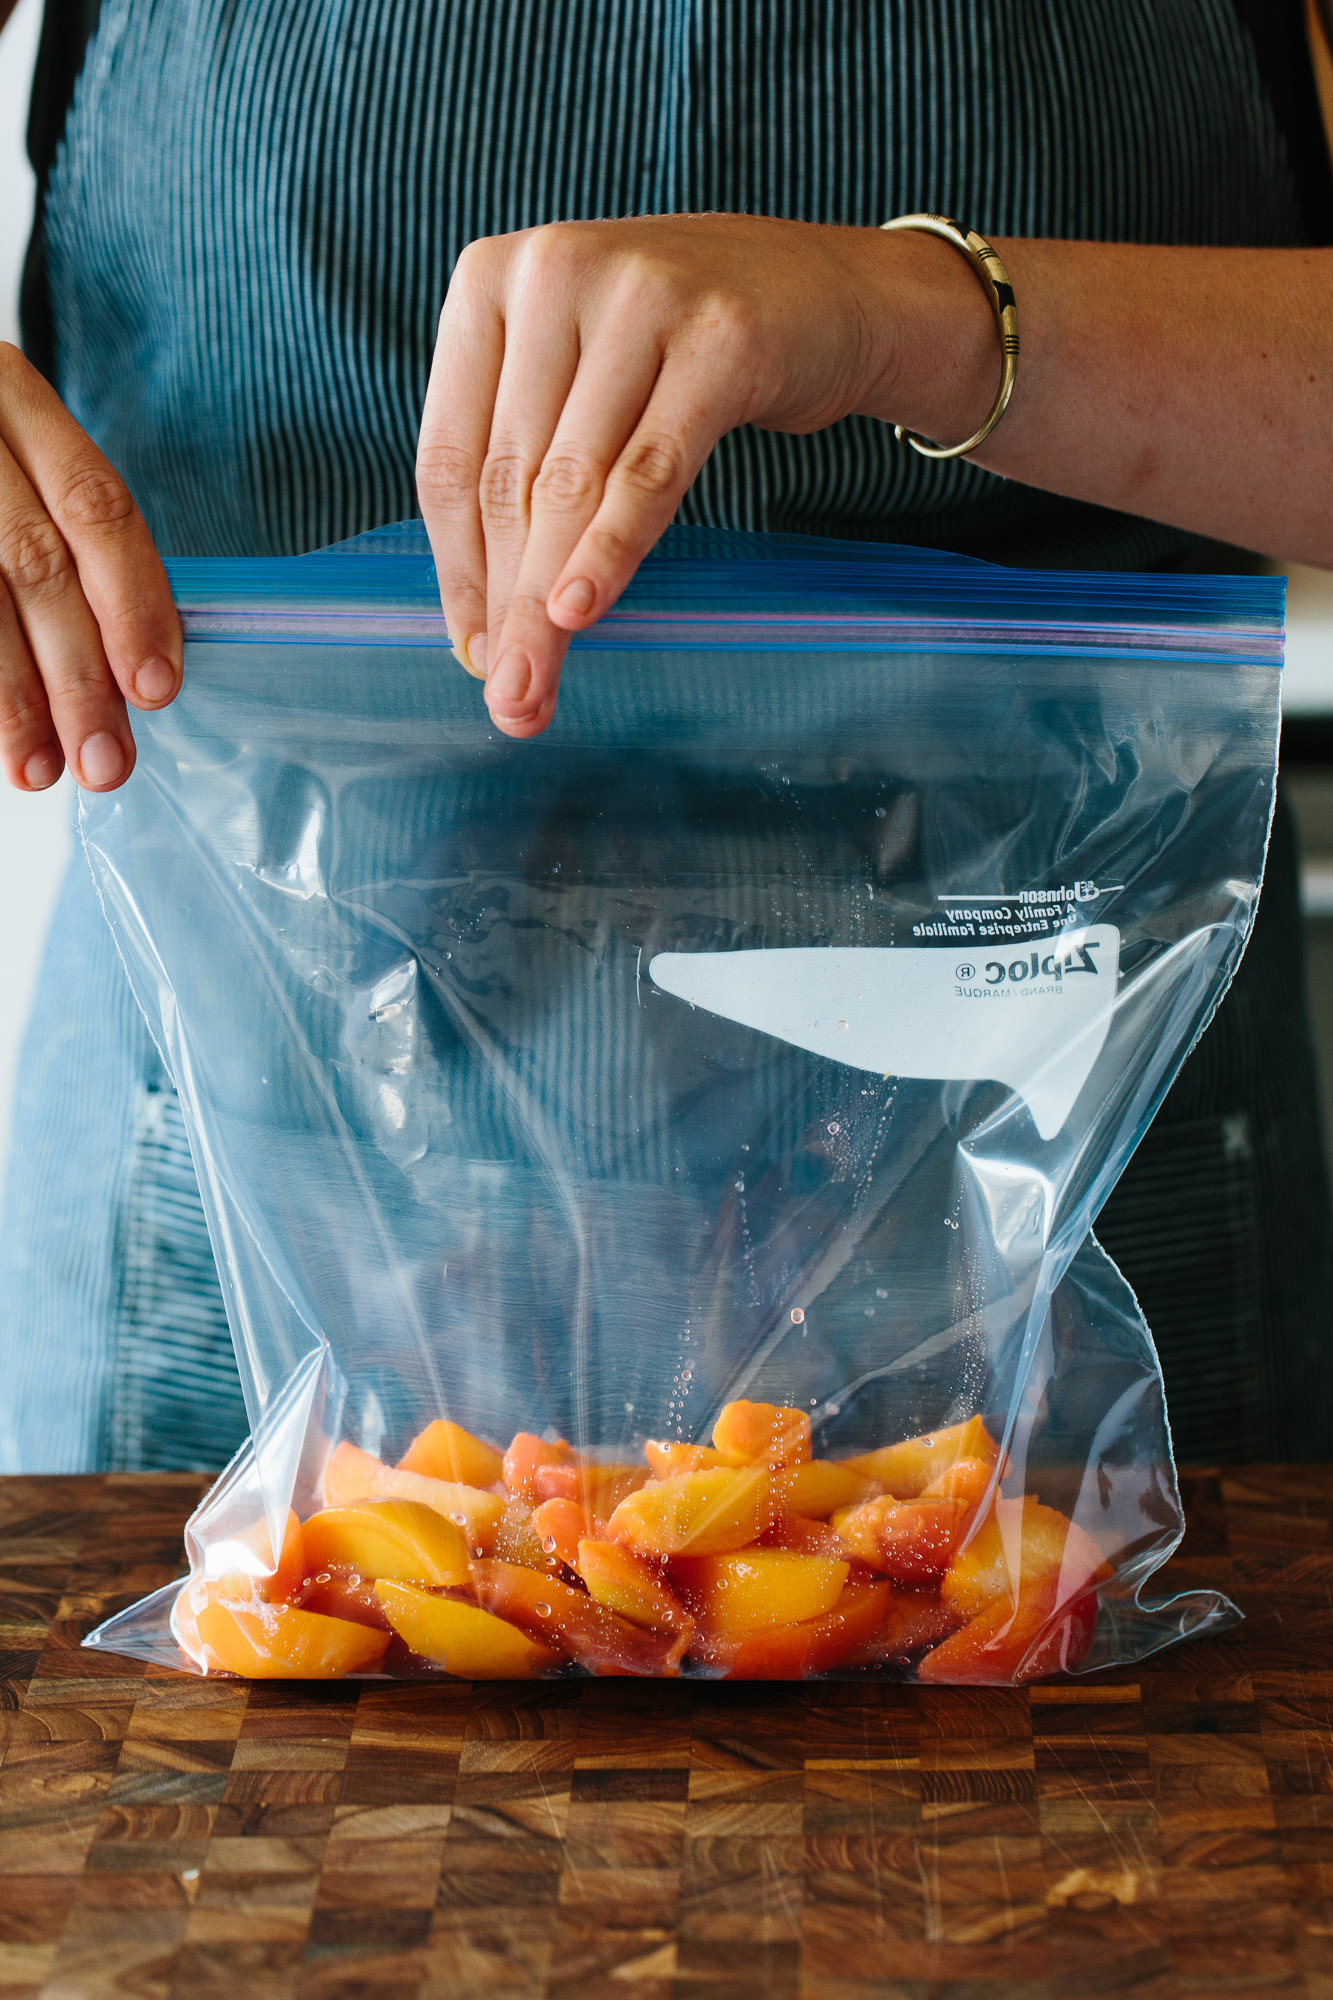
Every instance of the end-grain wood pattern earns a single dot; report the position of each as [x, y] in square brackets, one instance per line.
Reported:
[1165, 1832]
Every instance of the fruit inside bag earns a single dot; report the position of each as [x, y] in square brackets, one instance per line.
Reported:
[651, 1170]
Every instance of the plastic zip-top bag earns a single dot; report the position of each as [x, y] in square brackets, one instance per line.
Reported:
[651, 1169]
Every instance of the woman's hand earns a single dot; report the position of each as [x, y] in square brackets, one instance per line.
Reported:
[584, 371]
[86, 617]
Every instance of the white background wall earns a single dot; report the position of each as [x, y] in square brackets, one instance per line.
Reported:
[34, 832]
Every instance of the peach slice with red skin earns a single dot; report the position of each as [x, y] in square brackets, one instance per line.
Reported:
[564, 1524]
[628, 1585]
[912, 1621]
[1042, 1633]
[1018, 1544]
[910, 1541]
[967, 1479]
[463, 1638]
[764, 1434]
[695, 1513]
[599, 1488]
[446, 1451]
[351, 1475]
[907, 1469]
[343, 1593]
[526, 1457]
[559, 1615]
[810, 1538]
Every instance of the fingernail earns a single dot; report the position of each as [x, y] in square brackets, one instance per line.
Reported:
[511, 680]
[578, 596]
[42, 768]
[155, 680]
[101, 759]
[472, 655]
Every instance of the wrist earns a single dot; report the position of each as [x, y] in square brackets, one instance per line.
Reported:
[933, 350]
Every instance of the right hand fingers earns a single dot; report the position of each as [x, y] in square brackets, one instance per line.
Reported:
[86, 617]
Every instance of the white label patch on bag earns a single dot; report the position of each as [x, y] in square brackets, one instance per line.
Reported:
[1032, 1016]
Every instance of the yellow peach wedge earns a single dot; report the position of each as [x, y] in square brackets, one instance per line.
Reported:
[732, 1595]
[352, 1475]
[271, 1641]
[1015, 1547]
[905, 1470]
[624, 1582]
[820, 1487]
[446, 1451]
[762, 1434]
[695, 1513]
[397, 1539]
[461, 1638]
[519, 1540]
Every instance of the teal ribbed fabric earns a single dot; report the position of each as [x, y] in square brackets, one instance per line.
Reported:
[258, 204]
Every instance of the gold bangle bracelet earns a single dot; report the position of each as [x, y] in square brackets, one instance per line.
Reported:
[994, 278]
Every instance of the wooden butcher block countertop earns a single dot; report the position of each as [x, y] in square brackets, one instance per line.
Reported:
[1165, 1831]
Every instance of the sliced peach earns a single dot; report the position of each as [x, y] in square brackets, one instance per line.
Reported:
[526, 1456]
[272, 1641]
[667, 1460]
[625, 1583]
[518, 1541]
[568, 1618]
[794, 1652]
[811, 1538]
[599, 1488]
[398, 1539]
[913, 1620]
[762, 1434]
[352, 1475]
[466, 1641]
[908, 1540]
[1018, 1544]
[1009, 1643]
[446, 1451]
[343, 1593]
[242, 1565]
[820, 1488]
[967, 1479]
[560, 1526]
[907, 1469]
[695, 1513]
[731, 1595]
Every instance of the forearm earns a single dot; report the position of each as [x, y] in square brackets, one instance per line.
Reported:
[1193, 386]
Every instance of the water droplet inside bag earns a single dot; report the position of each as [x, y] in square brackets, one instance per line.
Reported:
[548, 1545]
[843, 1026]
[542, 1610]
[796, 1316]
[834, 1128]
[323, 1577]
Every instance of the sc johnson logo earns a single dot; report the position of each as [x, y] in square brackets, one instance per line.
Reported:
[1055, 965]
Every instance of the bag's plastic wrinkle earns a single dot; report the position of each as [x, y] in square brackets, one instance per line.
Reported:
[651, 1169]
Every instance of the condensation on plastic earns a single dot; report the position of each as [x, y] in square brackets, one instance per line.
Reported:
[463, 1154]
